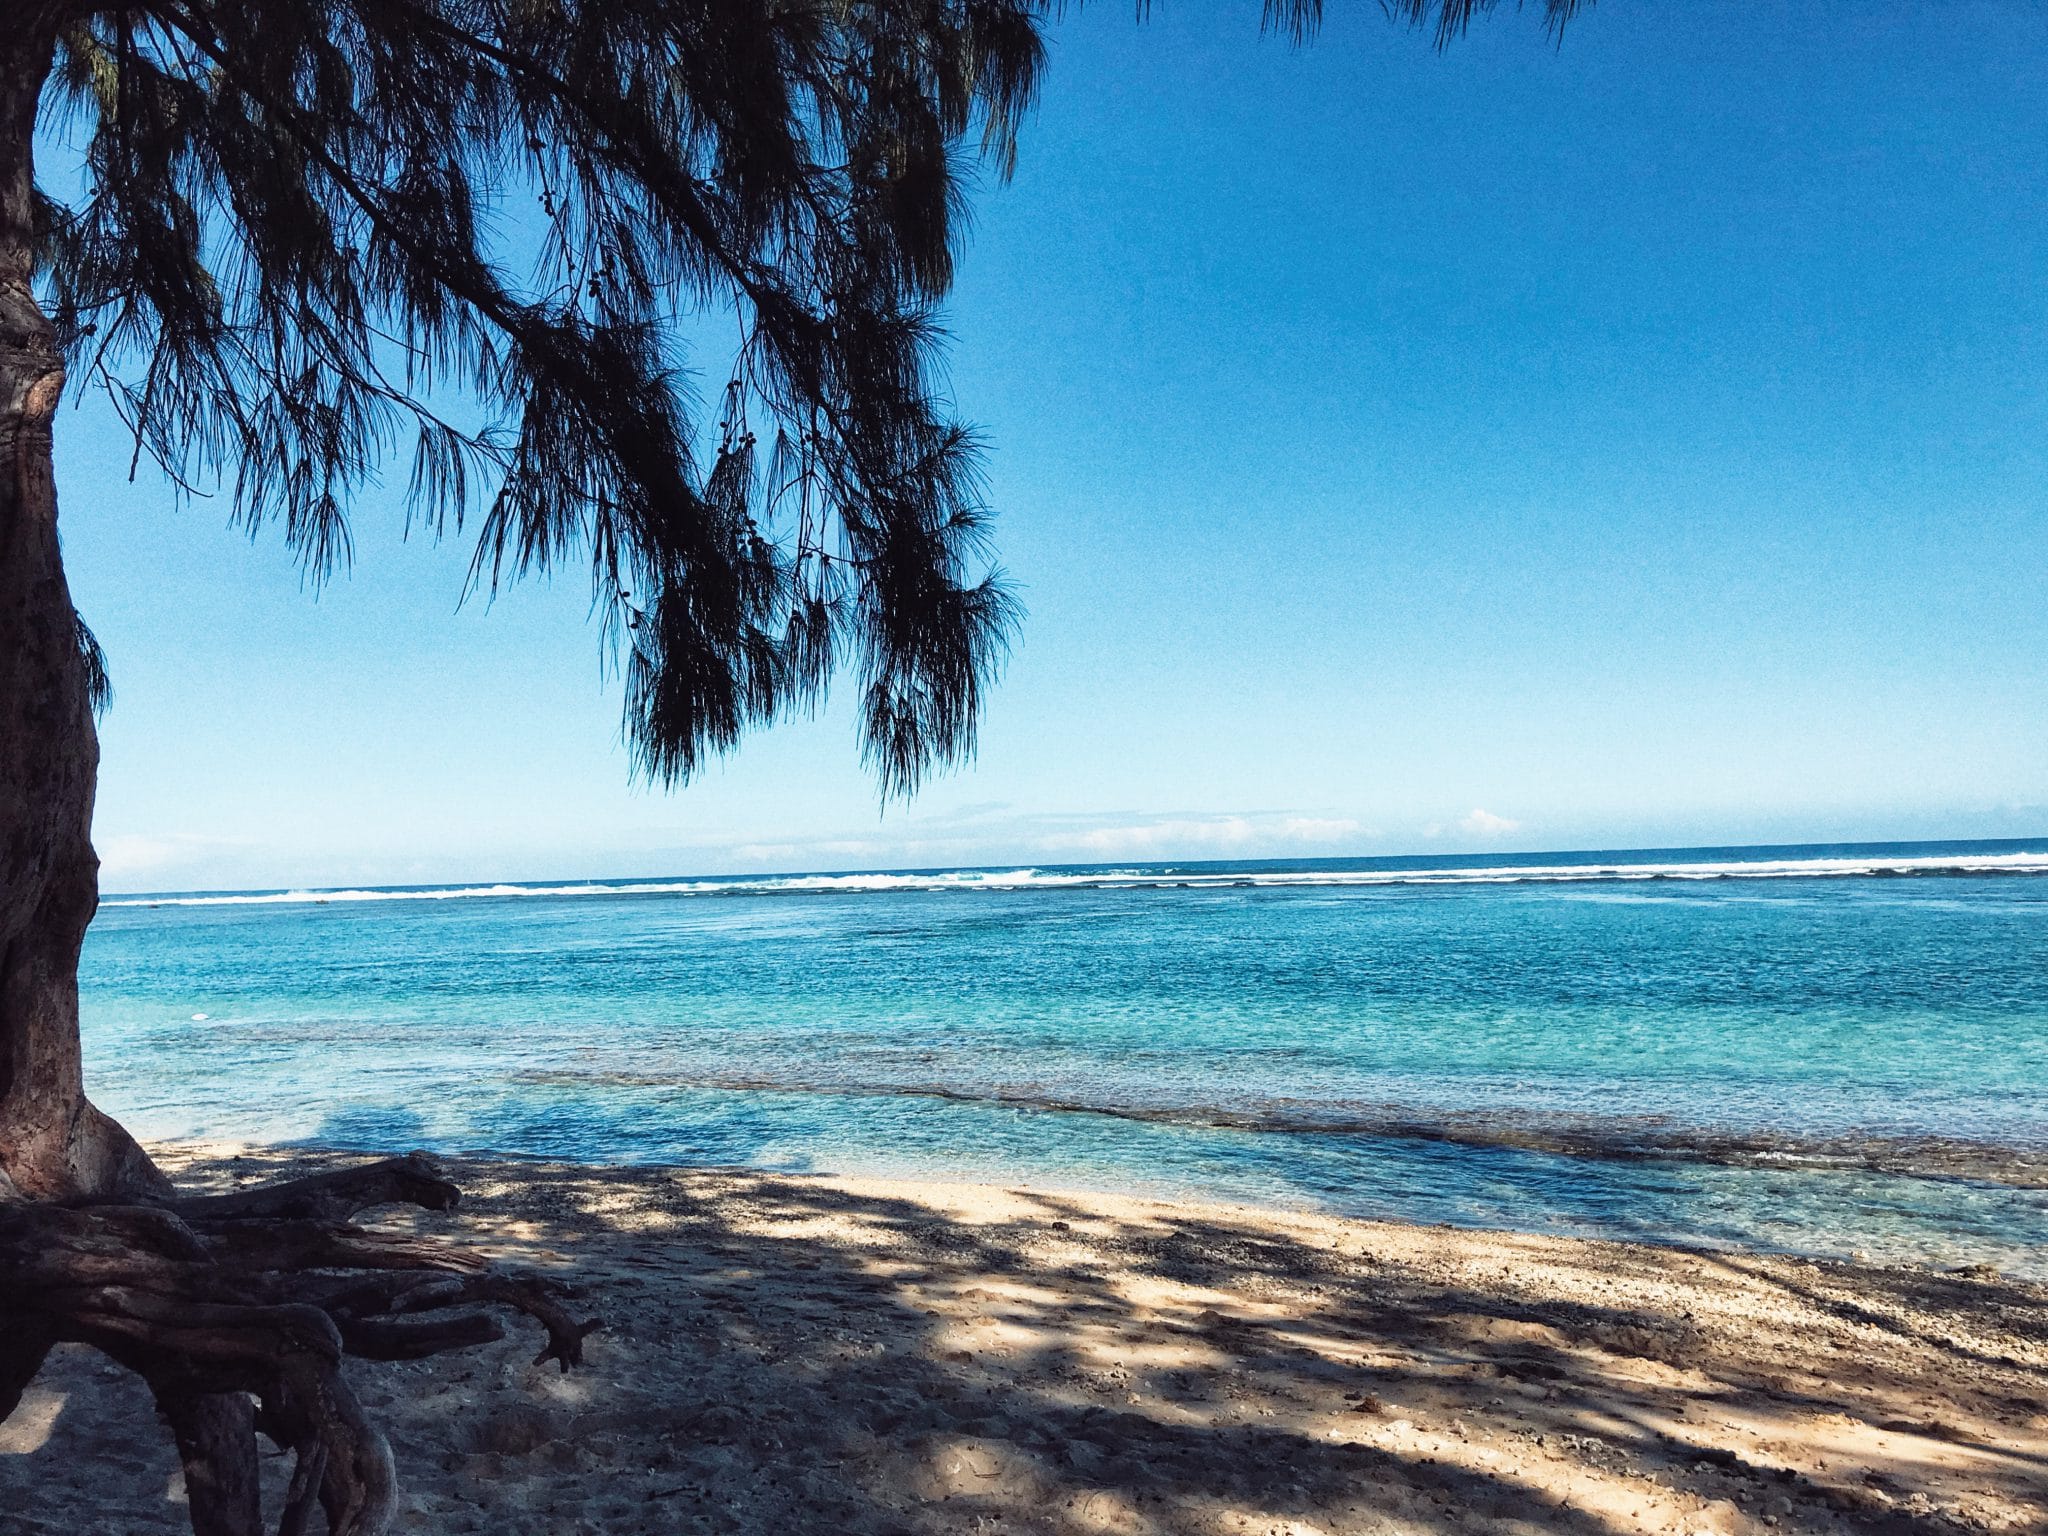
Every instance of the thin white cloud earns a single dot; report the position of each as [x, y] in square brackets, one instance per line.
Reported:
[823, 851]
[989, 833]
[1182, 835]
[1088, 839]
[138, 855]
[1482, 823]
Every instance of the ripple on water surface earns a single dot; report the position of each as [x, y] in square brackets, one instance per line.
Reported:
[1801, 1058]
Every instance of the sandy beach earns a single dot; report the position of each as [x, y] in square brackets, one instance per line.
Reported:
[793, 1354]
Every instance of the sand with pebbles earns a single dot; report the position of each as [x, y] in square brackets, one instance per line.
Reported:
[855, 1355]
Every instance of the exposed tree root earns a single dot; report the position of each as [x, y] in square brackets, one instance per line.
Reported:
[238, 1310]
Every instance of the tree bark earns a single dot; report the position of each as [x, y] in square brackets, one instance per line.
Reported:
[263, 1294]
[53, 1142]
[216, 1435]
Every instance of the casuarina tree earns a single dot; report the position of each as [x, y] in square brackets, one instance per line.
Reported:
[647, 285]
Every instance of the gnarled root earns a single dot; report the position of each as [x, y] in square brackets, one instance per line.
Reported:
[238, 1310]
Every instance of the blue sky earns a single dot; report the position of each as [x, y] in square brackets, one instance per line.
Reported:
[1637, 442]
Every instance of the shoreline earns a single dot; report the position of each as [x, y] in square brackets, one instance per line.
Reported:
[1964, 1245]
[1643, 1136]
[868, 1354]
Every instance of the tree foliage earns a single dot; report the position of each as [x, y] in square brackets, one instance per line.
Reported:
[314, 237]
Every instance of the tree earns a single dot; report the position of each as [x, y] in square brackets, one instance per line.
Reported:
[294, 239]
[285, 259]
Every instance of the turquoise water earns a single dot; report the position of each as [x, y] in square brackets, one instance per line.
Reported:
[1816, 1049]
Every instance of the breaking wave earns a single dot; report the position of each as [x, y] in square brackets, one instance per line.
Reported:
[1337, 874]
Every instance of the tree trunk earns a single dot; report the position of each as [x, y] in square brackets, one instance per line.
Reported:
[262, 1293]
[215, 1301]
[216, 1435]
[53, 1142]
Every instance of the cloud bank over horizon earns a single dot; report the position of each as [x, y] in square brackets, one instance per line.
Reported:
[990, 832]
[975, 835]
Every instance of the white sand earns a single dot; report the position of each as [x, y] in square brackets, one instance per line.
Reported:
[789, 1355]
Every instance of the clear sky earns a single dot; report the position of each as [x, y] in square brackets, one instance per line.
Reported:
[1638, 442]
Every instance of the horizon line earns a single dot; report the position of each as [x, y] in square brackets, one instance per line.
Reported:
[1850, 848]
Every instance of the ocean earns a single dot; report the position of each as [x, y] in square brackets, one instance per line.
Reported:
[1820, 1049]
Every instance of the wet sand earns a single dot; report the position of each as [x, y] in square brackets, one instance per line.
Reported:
[794, 1354]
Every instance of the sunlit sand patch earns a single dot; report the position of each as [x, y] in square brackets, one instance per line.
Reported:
[28, 1430]
[883, 1358]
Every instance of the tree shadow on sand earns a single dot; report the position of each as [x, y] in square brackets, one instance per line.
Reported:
[795, 1355]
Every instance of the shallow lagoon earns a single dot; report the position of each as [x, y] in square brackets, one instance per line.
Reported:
[1785, 1048]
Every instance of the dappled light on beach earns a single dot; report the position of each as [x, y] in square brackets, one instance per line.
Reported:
[794, 1354]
